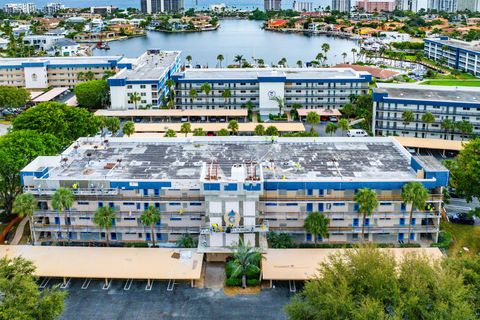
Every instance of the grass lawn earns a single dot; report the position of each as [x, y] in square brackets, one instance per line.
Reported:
[452, 82]
[5, 122]
[462, 236]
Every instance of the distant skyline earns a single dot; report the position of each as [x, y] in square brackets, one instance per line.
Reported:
[241, 4]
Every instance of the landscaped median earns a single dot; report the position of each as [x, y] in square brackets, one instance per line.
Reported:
[452, 82]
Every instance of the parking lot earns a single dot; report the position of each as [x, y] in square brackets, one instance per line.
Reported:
[182, 303]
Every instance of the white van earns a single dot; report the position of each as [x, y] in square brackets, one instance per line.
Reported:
[357, 133]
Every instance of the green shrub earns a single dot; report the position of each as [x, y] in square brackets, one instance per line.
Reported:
[233, 282]
[229, 269]
[444, 239]
[252, 273]
[252, 282]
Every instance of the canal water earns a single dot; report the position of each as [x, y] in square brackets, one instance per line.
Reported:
[236, 37]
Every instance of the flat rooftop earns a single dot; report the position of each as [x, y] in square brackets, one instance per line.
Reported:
[173, 113]
[430, 93]
[60, 60]
[152, 65]
[255, 73]
[473, 46]
[168, 159]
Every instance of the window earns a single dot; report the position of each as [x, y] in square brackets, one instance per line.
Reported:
[129, 219]
[175, 219]
[402, 221]
[355, 222]
[83, 203]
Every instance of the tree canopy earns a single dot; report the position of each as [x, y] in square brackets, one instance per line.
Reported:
[92, 94]
[12, 97]
[366, 283]
[21, 298]
[65, 122]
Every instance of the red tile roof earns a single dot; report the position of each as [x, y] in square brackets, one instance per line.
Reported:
[378, 73]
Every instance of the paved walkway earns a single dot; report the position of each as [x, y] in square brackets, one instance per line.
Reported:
[215, 275]
[19, 231]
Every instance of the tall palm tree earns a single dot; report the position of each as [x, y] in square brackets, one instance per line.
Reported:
[344, 56]
[407, 117]
[24, 206]
[62, 200]
[220, 58]
[170, 84]
[206, 88]
[367, 203]
[354, 52]
[149, 218]
[344, 125]
[186, 241]
[245, 258]
[186, 128]
[313, 118]
[135, 98]
[325, 49]
[226, 94]
[193, 94]
[188, 58]
[319, 57]
[331, 128]
[428, 118]
[299, 63]
[238, 58]
[415, 194]
[464, 126]
[233, 126]
[317, 225]
[103, 218]
[447, 125]
[260, 62]
[281, 104]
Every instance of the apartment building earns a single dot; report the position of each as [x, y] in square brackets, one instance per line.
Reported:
[263, 87]
[26, 8]
[223, 189]
[372, 6]
[44, 72]
[52, 8]
[453, 103]
[147, 79]
[272, 5]
[456, 54]
[341, 5]
[301, 6]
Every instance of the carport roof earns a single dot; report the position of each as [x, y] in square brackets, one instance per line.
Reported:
[425, 143]
[110, 263]
[302, 264]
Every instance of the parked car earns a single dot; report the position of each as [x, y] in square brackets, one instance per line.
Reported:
[333, 119]
[357, 133]
[461, 218]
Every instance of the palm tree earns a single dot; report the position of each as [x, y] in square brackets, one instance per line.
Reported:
[260, 62]
[272, 131]
[24, 206]
[325, 49]
[245, 258]
[344, 56]
[415, 194]
[465, 127]
[282, 62]
[206, 88]
[135, 98]
[150, 217]
[238, 58]
[81, 76]
[281, 104]
[319, 57]
[186, 128]
[447, 125]
[170, 84]
[299, 63]
[317, 225]
[428, 118]
[226, 94]
[193, 93]
[313, 118]
[62, 200]
[188, 58]
[331, 128]
[220, 58]
[367, 203]
[186, 241]
[344, 125]
[170, 133]
[233, 126]
[89, 75]
[407, 117]
[259, 130]
[103, 218]
[354, 51]
[199, 132]
[112, 124]
[223, 132]
[128, 128]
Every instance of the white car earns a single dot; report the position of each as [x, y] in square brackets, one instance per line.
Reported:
[357, 133]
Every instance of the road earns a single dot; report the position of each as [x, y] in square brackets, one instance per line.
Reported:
[461, 205]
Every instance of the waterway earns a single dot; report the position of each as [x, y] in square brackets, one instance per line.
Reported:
[236, 37]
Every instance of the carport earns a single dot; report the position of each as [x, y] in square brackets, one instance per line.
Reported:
[126, 264]
[50, 95]
[432, 144]
[302, 264]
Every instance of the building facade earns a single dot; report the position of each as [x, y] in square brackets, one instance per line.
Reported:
[272, 5]
[147, 79]
[151, 6]
[52, 8]
[453, 103]
[341, 5]
[26, 8]
[45, 72]
[264, 88]
[301, 6]
[472, 5]
[225, 189]
[173, 5]
[372, 6]
[456, 54]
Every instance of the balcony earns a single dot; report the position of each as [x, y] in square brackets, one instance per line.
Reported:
[237, 230]
[280, 198]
